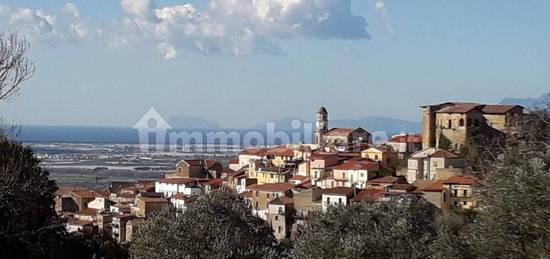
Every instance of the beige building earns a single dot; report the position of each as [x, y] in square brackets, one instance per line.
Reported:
[262, 194]
[386, 155]
[280, 215]
[146, 206]
[406, 144]
[425, 164]
[456, 124]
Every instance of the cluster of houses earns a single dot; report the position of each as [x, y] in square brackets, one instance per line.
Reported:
[283, 184]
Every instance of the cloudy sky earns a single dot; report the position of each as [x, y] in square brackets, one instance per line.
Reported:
[241, 62]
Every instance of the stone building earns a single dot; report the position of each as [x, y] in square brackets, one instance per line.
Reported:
[458, 123]
[339, 139]
[196, 168]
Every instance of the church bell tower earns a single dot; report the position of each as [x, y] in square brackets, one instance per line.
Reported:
[321, 125]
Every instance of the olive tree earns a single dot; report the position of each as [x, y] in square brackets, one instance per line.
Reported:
[400, 228]
[217, 225]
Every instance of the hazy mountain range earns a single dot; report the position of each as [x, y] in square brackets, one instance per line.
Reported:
[529, 103]
[372, 124]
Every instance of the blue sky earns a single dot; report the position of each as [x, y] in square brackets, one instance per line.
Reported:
[418, 52]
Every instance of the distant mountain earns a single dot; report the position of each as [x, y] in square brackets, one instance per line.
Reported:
[372, 124]
[187, 122]
[528, 103]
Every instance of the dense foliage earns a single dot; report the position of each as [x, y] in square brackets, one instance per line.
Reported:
[401, 228]
[218, 225]
[29, 225]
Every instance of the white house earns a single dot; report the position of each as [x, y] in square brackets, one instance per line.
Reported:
[336, 197]
[172, 186]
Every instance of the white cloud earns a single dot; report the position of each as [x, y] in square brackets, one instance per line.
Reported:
[381, 8]
[52, 29]
[167, 50]
[142, 9]
[71, 9]
[229, 27]
[236, 27]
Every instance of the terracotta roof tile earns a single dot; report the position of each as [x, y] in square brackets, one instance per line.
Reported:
[373, 194]
[254, 151]
[340, 131]
[498, 108]
[444, 154]
[412, 138]
[89, 211]
[271, 187]
[357, 165]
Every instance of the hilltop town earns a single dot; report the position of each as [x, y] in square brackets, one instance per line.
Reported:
[283, 184]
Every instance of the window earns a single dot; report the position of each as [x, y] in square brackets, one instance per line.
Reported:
[469, 123]
[344, 175]
[465, 193]
[476, 123]
[375, 157]
[328, 200]
[450, 124]
[339, 200]
[461, 122]
[268, 195]
[455, 193]
[445, 197]
[279, 229]
[276, 218]
[280, 210]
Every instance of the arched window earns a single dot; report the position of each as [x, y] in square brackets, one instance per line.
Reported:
[450, 124]
[476, 123]
[461, 122]
[469, 123]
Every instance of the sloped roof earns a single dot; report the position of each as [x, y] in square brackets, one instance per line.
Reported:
[442, 153]
[280, 152]
[498, 108]
[88, 211]
[373, 194]
[340, 131]
[356, 165]
[434, 187]
[254, 151]
[412, 138]
[271, 187]
[339, 191]
[213, 181]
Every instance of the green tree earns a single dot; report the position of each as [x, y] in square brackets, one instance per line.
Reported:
[217, 225]
[29, 225]
[444, 142]
[400, 228]
[514, 219]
